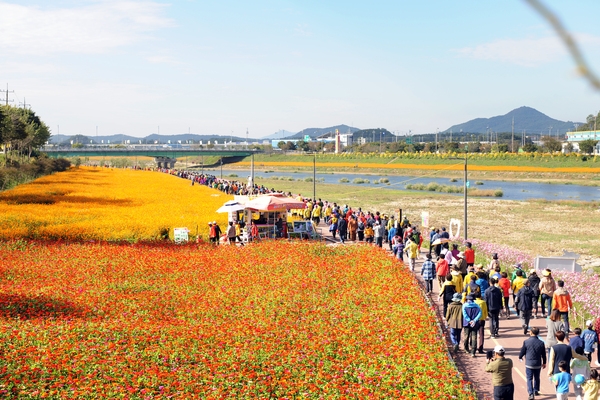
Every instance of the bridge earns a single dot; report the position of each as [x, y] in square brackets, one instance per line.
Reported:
[164, 156]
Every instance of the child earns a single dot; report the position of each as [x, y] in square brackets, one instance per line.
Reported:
[590, 339]
[591, 387]
[579, 367]
[562, 381]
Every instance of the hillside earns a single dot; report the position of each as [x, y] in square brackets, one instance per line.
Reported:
[526, 119]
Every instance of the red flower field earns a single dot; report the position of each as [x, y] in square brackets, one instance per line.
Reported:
[271, 320]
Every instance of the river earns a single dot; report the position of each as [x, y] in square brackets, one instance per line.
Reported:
[512, 190]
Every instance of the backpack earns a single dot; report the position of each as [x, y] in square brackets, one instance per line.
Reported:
[416, 237]
[361, 226]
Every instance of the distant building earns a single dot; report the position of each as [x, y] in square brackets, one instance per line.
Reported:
[580, 136]
[345, 138]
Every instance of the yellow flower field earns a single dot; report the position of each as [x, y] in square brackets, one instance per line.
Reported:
[108, 204]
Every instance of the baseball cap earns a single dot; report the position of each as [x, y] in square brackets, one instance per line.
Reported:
[589, 322]
[499, 349]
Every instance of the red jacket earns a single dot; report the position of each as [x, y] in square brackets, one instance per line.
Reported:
[470, 256]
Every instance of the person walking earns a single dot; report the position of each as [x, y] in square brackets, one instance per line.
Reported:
[484, 314]
[524, 303]
[561, 300]
[501, 369]
[561, 380]
[534, 284]
[447, 292]
[562, 352]
[352, 228]
[547, 288]
[493, 298]
[412, 251]
[517, 283]
[342, 229]
[553, 325]
[590, 339]
[442, 269]
[504, 284]
[454, 320]
[428, 273]
[471, 316]
[535, 360]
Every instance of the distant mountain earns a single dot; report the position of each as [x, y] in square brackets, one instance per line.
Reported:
[312, 132]
[526, 118]
[316, 132]
[282, 134]
[150, 139]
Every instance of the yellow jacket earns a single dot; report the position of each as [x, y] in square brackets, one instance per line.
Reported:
[518, 284]
[484, 310]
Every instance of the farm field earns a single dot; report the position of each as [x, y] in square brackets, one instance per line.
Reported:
[107, 204]
[271, 320]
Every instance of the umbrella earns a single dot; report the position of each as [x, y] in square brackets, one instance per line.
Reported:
[230, 206]
[270, 203]
[440, 241]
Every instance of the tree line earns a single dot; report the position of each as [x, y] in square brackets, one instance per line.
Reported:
[21, 132]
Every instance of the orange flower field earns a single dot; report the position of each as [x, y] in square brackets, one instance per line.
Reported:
[107, 204]
[268, 320]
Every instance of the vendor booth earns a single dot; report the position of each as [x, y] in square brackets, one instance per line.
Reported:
[269, 212]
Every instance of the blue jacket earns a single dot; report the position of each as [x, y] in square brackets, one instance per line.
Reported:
[483, 284]
[576, 341]
[392, 233]
[589, 338]
[471, 312]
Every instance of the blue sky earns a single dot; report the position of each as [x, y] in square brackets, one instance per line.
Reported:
[221, 67]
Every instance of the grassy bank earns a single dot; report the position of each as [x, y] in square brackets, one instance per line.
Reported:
[537, 227]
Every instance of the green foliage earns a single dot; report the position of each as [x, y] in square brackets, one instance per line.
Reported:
[587, 146]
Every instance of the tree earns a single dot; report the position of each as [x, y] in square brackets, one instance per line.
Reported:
[450, 146]
[587, 146]
[551, 144]
[530, 148]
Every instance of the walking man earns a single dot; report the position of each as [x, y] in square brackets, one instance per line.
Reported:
[535, 360]
[561, 300]
[493, 298]
[524, 302]
[471, 316]
[454, 319]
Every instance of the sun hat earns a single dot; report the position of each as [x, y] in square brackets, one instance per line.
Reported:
[589, 322]
[546, 272]
[456, 297]
[498, 349]
[532, 271]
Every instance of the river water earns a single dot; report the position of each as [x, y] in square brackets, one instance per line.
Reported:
[511, 190]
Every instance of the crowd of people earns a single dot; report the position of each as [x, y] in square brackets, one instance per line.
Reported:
[471, 294]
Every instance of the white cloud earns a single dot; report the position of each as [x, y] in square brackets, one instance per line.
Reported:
[95, 28]
[529, 52]
[526, 52]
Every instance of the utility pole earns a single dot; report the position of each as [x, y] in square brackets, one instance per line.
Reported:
[25, 104]
[7, 92]
[512, 142]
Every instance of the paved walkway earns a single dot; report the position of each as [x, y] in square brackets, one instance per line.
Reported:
[511, 338]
